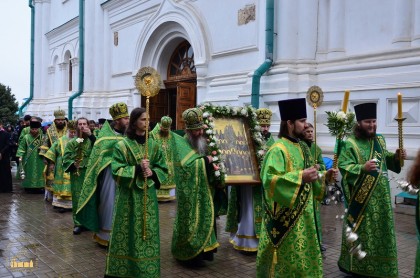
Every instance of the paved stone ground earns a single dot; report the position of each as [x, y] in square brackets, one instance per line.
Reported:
[30, 229]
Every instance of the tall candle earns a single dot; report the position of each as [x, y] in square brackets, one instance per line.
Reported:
[399, 98]
[345, 101]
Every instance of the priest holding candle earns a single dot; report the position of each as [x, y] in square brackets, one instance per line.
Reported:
[364, 162]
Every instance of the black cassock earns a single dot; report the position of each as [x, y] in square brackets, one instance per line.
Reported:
[5, 170]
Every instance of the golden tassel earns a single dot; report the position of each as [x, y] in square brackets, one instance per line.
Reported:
[273, 264]
[275, 257]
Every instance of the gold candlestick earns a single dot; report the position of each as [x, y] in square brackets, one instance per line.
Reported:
[148, 83]
[400, 138]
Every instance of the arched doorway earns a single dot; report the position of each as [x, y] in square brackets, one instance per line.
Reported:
[180, 91]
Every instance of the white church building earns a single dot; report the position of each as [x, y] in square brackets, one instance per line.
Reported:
[87, 54]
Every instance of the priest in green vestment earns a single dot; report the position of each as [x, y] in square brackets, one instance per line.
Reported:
[25, 128]
[75, 159]
[62, 184]
[245, 209]
[316, 153]
[163, 135]
[414, 180]
[134, 245]
[194, 236]
[57, 130]
[364, 163]
[97, 196]
[30, 160]
[289, 245]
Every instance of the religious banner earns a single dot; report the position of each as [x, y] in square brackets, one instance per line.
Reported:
[236, 143]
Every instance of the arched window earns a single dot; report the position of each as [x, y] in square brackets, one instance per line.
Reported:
[181, 65]
[70, 74]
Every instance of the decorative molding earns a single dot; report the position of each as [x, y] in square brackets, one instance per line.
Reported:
[74, 61]
[236, 51]
[51, 69]
[63, 66]
[123, 74]
[64, 28]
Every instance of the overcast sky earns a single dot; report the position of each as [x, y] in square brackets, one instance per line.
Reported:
[15, 32]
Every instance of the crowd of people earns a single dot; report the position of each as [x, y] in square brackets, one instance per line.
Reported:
[110, 176]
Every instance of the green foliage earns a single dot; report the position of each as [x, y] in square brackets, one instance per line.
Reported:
[8, 106]
[340, 124]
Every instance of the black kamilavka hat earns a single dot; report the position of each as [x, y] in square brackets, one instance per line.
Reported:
[34, 124]
[365, 111]
[101, 121]
[292, 109]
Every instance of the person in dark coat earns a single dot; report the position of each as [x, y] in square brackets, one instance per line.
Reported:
[5, 170]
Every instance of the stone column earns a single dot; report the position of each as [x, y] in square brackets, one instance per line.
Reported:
[402, 23]
[51, 77]
[38, 48]
[45, 52]
[287, 26]
[336, 47]
[63, 85]
[416, 24]
[308, 20]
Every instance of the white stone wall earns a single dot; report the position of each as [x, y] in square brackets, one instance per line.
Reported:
[368, 47]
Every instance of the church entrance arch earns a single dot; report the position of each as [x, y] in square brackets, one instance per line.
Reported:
[180, 91]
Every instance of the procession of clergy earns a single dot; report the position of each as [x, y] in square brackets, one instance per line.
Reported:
[112, 178]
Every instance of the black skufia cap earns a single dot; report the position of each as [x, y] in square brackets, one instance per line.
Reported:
[34, 124]
[365, 111]
[101, 121]
[292, 109]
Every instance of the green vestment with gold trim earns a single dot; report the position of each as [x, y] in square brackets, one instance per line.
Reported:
[61, 185]
[79, 152]
[32, 162]
[376, 230]
[298, 252]
[194, 222]
[129, 254]
[100, 158]
[51, 136]
[167, 144]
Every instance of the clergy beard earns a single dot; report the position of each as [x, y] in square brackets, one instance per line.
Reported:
[362, 133]
[198, 143]
[164, 133]
[60, 125]
[300, 136]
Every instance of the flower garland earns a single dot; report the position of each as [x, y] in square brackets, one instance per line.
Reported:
[249, 113]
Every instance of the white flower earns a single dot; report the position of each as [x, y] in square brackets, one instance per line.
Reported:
[341, 115]
[205, 114]
[79, 140]
[261, 152]
[244, 112]
[217, 173]
[215, 158]
[211, 125]
[209, 131]
[257, 128]
[211, 144]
